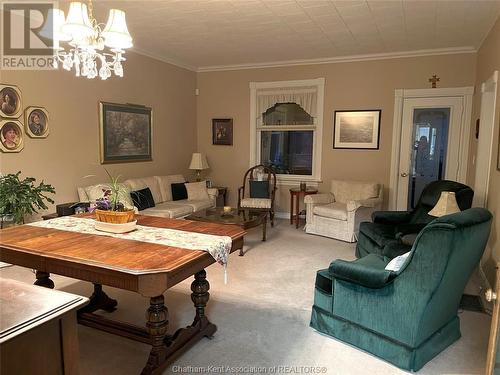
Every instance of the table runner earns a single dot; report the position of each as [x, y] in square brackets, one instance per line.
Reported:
[218, 247]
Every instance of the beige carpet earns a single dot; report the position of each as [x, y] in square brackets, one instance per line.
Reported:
[262, 317]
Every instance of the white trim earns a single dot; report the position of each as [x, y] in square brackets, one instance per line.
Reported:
[399, 96]
[341, 59]
[318, 136]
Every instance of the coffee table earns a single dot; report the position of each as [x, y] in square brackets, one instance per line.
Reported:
[244, 218]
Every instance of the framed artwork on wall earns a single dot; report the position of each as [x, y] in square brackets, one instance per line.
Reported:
[36, 122]
[125, 133]
[359, 129]
[222, 131]
[11, 136]
[10, 101]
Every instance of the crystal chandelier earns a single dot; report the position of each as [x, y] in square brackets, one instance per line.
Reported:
[87, 41]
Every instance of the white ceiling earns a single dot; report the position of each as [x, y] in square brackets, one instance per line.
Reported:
[204, 34]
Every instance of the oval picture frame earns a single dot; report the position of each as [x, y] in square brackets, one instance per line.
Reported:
[10, 110]
[6, 126]
[33, 128]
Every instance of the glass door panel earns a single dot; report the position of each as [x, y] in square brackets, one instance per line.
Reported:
[429, 149]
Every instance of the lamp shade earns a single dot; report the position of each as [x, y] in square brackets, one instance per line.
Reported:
[116, 33]
[78, 24]
[52, 27]
[198, 161]
[446, 205]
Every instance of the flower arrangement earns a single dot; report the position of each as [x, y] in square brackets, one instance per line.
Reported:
[109, 208]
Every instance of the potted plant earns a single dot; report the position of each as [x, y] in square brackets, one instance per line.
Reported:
[109, 208]
[19, 198]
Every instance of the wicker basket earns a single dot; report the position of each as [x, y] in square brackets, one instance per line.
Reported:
[115, 217]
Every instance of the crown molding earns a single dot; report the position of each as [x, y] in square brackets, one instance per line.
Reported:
[168, 60]
[342, 59]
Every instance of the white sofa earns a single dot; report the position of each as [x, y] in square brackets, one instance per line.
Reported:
[161, 190]
[338, 214]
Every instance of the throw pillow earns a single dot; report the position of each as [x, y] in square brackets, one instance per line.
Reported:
[178, 191]
[259, 189]
[142, 199]
[397, 263]
[197, 191]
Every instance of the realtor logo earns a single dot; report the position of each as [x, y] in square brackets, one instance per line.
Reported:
[26, 36]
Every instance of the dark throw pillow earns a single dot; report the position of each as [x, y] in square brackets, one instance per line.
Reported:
[142, 199]
[259, 189]
[179, 191]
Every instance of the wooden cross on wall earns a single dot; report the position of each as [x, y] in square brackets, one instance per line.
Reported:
[435, 79]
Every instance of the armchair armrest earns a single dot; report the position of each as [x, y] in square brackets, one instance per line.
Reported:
[391, 217]
[368, 271]
[319, 198]
[353, 205]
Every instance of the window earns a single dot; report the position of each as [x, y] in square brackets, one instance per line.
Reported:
[287, 126]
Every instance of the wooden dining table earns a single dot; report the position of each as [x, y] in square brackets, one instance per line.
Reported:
[146, 268]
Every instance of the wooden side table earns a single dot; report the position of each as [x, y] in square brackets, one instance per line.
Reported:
[295, 209]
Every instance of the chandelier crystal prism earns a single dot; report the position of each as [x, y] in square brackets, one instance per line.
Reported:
[92, 51]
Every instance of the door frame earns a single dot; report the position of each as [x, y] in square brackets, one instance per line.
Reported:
[399, 97]
[485, 141]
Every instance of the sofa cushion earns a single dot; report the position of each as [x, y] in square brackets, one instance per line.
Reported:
[335, 210]
[169, 210]
[344, 191]
[165, 182]
[95, 192]
[197, 205]
[179, 191]
[142, 199]
[381, 234]
[144, 182]
[197, 191]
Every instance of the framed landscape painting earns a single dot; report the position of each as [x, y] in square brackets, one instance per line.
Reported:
[357, 129]
[125, 133]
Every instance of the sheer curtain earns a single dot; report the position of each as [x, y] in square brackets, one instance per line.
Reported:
[305, 97]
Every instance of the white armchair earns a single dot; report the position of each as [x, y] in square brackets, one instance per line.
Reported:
[338, 214]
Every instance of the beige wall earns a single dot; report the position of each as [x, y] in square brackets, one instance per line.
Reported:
[71, 151]
[355, 85]
[488, 60]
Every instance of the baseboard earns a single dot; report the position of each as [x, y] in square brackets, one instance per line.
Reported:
[282, 215]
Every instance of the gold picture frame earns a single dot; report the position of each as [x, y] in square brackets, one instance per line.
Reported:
[11, 104]
[11, 136]
[126, 132]
[36, 122]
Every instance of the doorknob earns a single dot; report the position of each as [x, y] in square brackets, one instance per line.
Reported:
[490, 295]
[404, 174]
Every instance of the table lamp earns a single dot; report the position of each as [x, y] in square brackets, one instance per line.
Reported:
[198, 163]
[446, 205]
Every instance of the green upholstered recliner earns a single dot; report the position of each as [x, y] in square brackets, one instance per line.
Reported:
[383, 235]
[405, 317]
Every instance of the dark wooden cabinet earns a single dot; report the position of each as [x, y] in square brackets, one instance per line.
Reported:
[38, 330]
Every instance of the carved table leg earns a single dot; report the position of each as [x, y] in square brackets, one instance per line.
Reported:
[157, 324]
[43, 279]
[200, 295]
[99, 301]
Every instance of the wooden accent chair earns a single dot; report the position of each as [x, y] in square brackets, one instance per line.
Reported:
[258, 190]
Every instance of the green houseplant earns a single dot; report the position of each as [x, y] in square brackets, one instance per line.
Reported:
[110, 207]
[19, 198]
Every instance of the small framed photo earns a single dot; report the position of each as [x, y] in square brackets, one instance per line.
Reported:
[125, 133]
[10, 101]
[11, 136]
[222, 131]
[358, 129]
[36, 122]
